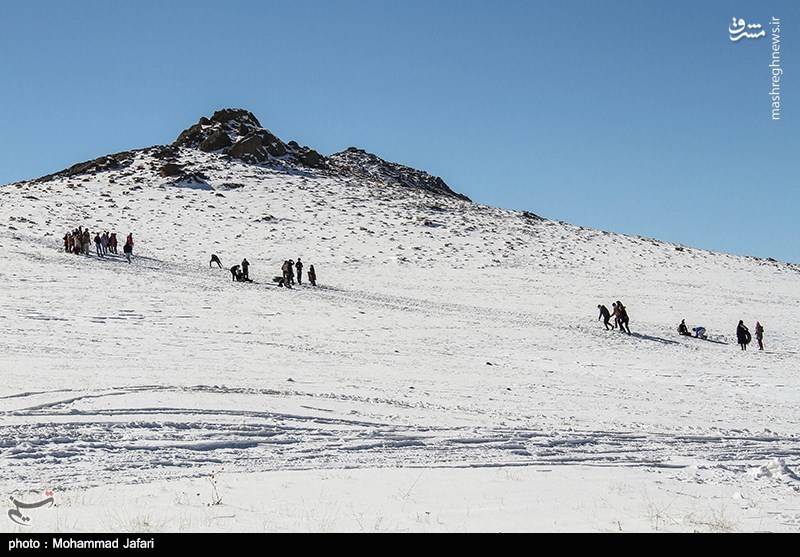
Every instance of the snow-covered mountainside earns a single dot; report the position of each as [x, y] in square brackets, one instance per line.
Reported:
[444, 336]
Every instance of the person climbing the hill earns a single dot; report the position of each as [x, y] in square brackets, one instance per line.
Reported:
[235, 272]
[743, 335]
[312, 275]
[683, 329]
[299, 267]
[605, 315]
[128, 250]
[615, 314]
[760, 335]
[245, 269]
[98, 245]
[700, 332]
[623, 318]
[215, 259]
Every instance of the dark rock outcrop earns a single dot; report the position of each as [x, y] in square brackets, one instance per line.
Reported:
[170, 170]
[214, 142]
[359, 163]
[107, 163]
[238, 133]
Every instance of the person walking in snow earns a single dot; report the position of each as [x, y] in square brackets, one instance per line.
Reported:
[112, 243]
[291, 271]
[312, 275]
[245, 269]
[605, 315]
[623, 318]
[215, 259]
[299, 267]
[760, 335]
[98, 244]
[128, 250]
[683, 330]
[743, 335]
[129, 241]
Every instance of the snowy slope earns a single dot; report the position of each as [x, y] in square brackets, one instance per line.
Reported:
[444, 334]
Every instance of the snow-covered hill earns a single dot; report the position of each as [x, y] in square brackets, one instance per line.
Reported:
[444, 334]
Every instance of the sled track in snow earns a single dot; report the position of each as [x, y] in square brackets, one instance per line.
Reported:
[53, 436]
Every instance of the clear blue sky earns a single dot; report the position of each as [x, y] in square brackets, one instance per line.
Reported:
[632, 116]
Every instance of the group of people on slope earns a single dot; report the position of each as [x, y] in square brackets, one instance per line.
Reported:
[241, 272]
[288, 273]
[697, 332]
[620, 315]
[79, 242]
[743, 336]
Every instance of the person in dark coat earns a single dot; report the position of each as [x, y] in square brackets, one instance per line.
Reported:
[235, 273]
[215, 259]
[245, 269]
[299, 267]
[286, 271]
[743, 335]
[683, 329]
[98, 245]
[605, 315]
[128, 250]
[623, 318]
[312, 275]
[290, 270]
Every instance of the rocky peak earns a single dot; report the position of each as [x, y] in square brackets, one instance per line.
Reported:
[239, 134]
